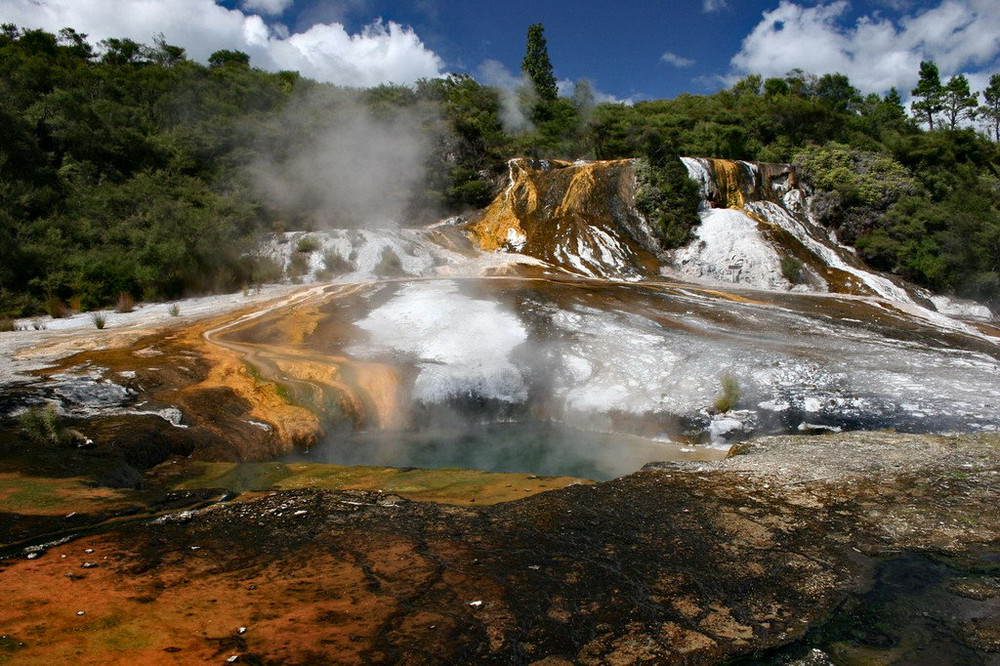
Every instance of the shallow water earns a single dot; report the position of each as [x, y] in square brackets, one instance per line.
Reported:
[543, 448]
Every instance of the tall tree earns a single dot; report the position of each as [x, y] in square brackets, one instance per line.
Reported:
[537, 66]
[958, 101]
[990, 111]
[929, 92]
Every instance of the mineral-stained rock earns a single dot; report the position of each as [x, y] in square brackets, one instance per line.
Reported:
[692, 563]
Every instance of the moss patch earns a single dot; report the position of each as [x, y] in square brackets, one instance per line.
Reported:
[449, 486]
[37, 495]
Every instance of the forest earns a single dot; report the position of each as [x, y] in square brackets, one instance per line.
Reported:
[129, 169]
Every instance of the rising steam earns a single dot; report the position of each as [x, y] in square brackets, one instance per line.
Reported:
[335, 164]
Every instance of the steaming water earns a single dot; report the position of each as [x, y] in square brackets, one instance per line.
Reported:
[594, 378]
[545, 448]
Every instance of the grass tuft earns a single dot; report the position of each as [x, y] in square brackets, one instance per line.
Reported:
[42, 425]
[125, 302]
[100, 319]
[730, 395]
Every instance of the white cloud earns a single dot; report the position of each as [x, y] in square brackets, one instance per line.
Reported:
[381, 53]
[713, 5]
[875, 52]
[676, 60]
[273, 7]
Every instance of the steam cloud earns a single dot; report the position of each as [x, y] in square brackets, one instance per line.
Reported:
[348, 170]
[512, 89]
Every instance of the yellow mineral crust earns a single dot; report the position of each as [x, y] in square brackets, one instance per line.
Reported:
[552, 209]
[727, 178]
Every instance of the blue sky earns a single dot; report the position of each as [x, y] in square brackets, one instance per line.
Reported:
[629, 50]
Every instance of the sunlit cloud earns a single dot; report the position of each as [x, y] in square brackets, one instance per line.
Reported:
[875, 52]
[676, 60]
[380, 53]
[271, 7]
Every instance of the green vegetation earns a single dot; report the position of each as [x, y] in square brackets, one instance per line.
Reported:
[100, 319]
[42, 425]
[307, 244]
[452, 486]
[335, 264]
[130, 169]
[730, 395]
[389, 264]
[668, 199]
[793, 270]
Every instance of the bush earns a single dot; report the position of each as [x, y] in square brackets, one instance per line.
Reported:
[336, 264]
[730, 395]
[56, 307]
[307, 244]
[668, 199]
[100, 319]
[42, 425]
[389, 264]
[175, 310]
[125, 302]
[793, 270]
[298, 266]
[7, 324]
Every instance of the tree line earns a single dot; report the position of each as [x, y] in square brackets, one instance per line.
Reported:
[127, 168]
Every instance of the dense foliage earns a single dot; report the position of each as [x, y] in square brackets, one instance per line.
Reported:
[129, 168]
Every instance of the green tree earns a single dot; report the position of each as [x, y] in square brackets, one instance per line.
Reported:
[929, 92]
[836, 91]
[537, 66]
[958, 102]
[749, 86]
[990, 111]
[227, 58]
[122, 51]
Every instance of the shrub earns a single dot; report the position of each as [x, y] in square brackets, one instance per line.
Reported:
[100, 319]
[56, 307]
[336, 264]
[730, 395]
[793, 270]
[175, 310]
[307, 244]
[389, 264]
[125, 302]
[668, 199]
[7, 324]
[298, 266]
[42, 425]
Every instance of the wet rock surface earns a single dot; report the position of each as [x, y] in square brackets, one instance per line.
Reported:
[684, 563]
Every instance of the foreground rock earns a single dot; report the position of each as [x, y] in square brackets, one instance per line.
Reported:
[692, 563]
